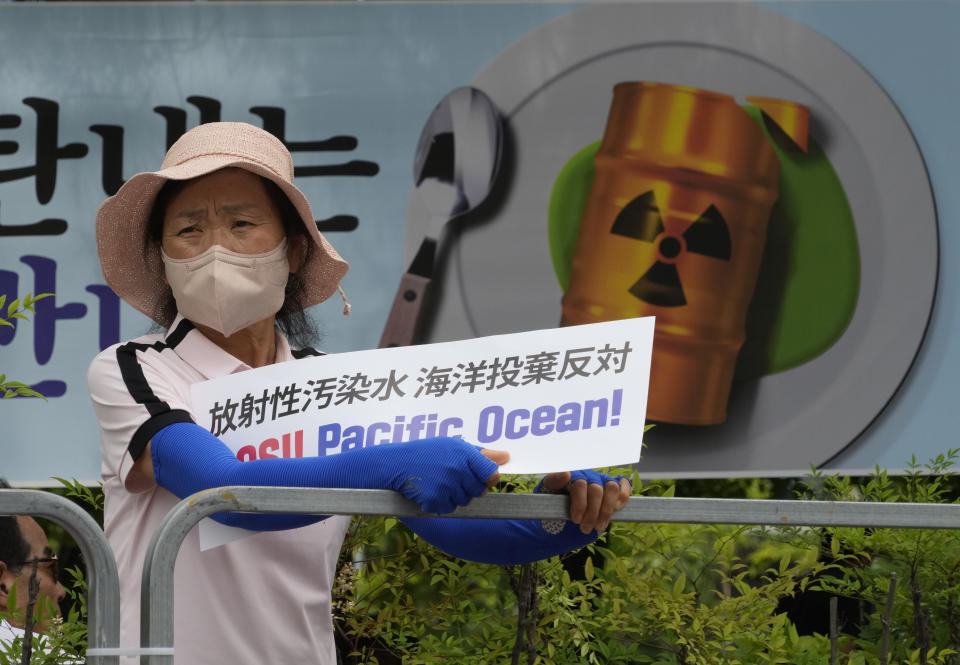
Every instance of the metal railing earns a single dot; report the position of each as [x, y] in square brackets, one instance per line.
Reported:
[103, 584]
[156, 614]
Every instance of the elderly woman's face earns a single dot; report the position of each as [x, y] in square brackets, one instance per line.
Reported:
[230, 208]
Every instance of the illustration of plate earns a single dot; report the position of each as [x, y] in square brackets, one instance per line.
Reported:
[554, 87]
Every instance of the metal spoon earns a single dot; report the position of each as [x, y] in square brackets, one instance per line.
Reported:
[456, 164]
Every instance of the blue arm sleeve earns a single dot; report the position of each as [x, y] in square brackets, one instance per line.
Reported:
[503, 542]
[439, 474]
[507, 542]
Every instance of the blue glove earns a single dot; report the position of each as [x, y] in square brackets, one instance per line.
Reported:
[438, 474]
[592, 476]
[589, 475]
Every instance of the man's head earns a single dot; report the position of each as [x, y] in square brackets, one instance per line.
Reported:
[23, 548]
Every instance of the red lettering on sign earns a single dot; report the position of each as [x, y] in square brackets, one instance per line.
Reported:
[274, 448]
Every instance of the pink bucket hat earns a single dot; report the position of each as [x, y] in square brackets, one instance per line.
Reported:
[122, 219]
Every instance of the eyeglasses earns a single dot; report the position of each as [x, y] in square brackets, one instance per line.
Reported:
[52, 559]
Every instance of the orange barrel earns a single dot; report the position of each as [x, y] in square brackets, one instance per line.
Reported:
[674, 227]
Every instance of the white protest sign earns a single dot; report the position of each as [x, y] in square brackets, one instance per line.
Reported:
[556, 400]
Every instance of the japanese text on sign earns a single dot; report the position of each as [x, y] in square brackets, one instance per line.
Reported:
[486, 375]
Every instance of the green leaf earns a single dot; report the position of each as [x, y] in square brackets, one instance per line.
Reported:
[3, 299]
[30, 392]
[793, 634]
[679, 585]
[13, 307]
[784, 563]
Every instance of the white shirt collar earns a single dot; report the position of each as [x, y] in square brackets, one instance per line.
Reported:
[209, 359]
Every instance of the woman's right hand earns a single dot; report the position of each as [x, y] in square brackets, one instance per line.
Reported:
[443, 473]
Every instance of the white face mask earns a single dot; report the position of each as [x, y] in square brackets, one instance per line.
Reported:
[228, 291]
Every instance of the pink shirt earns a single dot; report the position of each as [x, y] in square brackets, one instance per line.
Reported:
[262, 599]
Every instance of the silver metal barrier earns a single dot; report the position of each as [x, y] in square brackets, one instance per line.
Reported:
[103, 584]
[156, 609]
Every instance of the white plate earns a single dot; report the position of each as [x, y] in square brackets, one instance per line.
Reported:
[554, 87]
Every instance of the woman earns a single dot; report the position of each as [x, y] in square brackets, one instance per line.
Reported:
[230, 257]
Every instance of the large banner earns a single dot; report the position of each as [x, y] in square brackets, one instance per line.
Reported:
[765, 181]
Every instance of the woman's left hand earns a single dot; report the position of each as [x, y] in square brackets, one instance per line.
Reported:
[594, 497]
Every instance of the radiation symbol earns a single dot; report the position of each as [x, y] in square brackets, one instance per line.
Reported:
[660, 285]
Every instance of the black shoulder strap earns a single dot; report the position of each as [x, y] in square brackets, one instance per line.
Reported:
[305, 352]
[139, 388]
